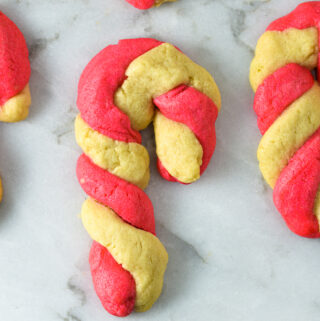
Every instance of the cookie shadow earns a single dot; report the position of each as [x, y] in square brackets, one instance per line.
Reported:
[184, 263]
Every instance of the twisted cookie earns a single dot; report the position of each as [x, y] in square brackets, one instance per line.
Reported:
[14, 74]
[287, 103]
[118, 92]
[147, 4]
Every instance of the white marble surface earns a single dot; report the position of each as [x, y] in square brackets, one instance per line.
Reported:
[231, 255]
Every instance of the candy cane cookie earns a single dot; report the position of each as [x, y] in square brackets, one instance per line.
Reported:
[287, 103]
[147, 4]
[15, 72]
[121, 91]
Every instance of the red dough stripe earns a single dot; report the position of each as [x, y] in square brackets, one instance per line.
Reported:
[14, 62]
[127, 200]
[182, 105]
[98, 85]
[305, 15]
[297, 187]
[278, 91]
[114, 285]
[142, 4]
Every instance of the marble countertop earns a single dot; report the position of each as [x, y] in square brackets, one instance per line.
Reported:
[231, 255]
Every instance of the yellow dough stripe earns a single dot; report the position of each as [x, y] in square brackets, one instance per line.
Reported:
[160, 2]
[17, 107]
[127, 161]
[275, 49]
[177, 139]
[317, 205]
[288, 133]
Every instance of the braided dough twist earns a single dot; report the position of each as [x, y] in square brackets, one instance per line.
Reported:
[117, 94]
[147, 4]
[287, 103]
[15, 72]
